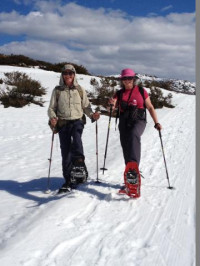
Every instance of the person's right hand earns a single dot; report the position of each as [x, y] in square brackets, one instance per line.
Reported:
[53, 121]
[112, 101]
[96, 116]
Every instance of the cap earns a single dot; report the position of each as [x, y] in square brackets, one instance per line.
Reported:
[68, 67]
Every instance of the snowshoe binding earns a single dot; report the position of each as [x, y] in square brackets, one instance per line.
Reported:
[132, 180]
[79, 173]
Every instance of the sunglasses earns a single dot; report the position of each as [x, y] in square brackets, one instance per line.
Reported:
[127, 78]
[70, 73]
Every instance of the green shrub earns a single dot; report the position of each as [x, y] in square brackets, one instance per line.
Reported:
[22, 90]
[167, 84]
[24, 84]
[103, 90]
[158, 100]
[58, 67]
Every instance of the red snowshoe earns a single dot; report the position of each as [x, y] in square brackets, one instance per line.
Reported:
[132, 180]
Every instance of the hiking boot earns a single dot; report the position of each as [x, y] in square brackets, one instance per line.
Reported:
[132, 177]
[64, 189]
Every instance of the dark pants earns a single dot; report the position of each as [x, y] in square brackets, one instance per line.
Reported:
[71, 146]
[130, 139]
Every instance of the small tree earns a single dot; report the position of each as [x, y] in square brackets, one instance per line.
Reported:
[94, 82]
[21, 90]
[167, 84]
[103, 90]
[158, 100]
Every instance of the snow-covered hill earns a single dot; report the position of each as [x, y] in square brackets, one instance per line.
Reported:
[94, 225]
[181, 86]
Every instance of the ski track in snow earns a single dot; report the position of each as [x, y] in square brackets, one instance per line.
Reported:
[94, 225]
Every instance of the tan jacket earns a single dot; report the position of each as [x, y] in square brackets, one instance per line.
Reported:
[69, 105]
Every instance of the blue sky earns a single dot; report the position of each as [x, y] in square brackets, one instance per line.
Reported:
[131, 7]
[153, 37]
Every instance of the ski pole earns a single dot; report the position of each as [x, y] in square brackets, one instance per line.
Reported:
[170, 187]
[97, 181]
[50, 159]
[103, 168]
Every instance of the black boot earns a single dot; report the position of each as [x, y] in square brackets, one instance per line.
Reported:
[66, 188]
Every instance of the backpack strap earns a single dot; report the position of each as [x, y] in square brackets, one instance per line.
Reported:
[58, 92]
[62, 88]
[80, 91]
[141, 89]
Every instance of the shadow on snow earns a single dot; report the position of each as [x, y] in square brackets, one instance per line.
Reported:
[26, 189]
[34, 189]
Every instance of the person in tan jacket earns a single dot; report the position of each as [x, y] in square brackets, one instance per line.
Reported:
[68, 105]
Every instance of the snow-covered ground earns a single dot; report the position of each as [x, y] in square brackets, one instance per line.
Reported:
[94, 226]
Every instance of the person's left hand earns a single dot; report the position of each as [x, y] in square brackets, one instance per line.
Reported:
[96, 116]
[158, 126]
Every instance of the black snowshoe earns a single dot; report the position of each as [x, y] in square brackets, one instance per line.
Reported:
[79, 173]
[64, 189]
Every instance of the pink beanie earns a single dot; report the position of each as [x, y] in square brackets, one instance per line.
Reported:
[127, 72]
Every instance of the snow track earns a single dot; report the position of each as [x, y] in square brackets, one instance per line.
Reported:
[94, 225]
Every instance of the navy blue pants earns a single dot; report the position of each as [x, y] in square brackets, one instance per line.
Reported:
[71, 145]
[130, 139]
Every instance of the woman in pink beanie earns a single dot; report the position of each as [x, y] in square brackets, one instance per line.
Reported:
[132, 102]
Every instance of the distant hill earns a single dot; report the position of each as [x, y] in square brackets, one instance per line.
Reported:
[24, 61]
[181, 86]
